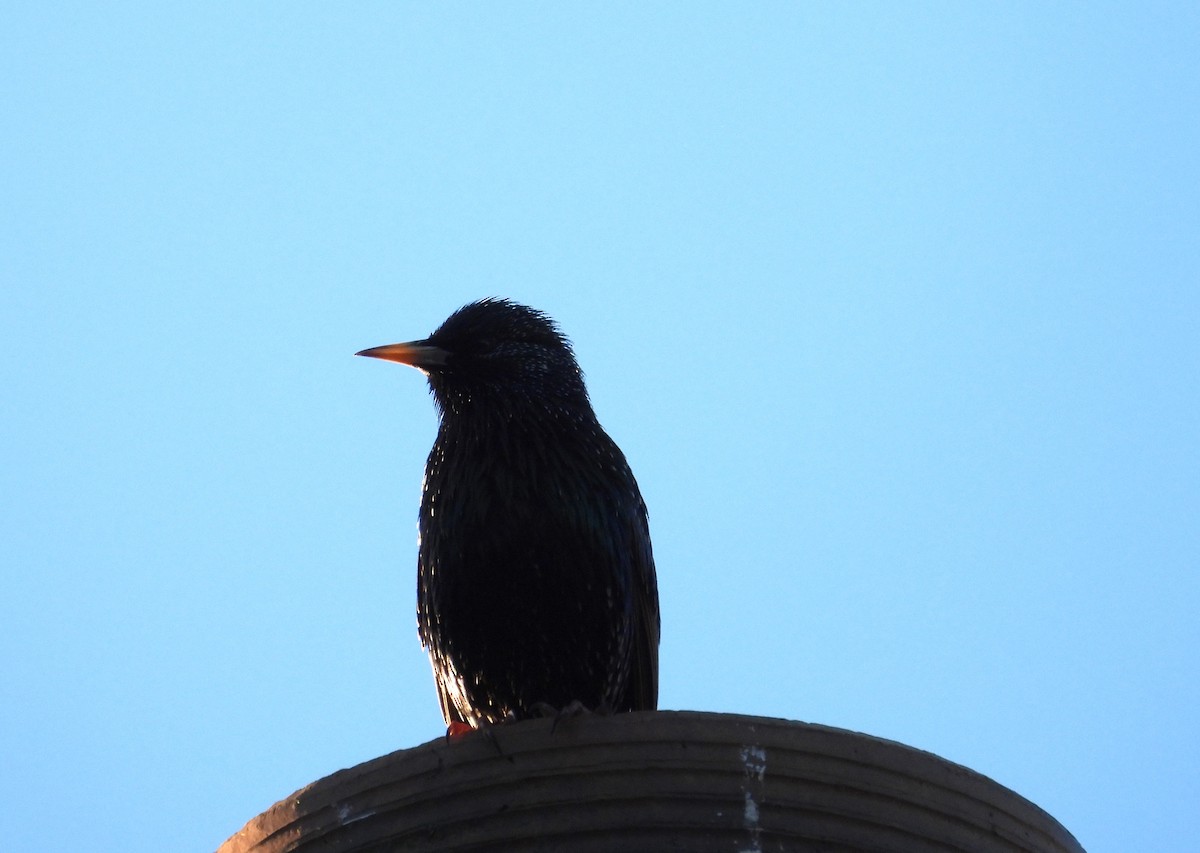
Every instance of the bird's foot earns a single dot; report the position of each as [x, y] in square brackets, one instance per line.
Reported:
[456, 731]
[574, 708]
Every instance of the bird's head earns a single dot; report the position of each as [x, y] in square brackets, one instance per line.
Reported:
[494, 353]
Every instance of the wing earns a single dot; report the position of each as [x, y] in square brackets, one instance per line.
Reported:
[449, 713]
[641, 693]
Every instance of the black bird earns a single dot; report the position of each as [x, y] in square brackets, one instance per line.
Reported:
[536, 587]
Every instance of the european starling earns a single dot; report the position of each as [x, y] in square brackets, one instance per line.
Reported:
[535, 578]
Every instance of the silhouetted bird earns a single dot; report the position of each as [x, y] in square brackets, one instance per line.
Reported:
[535, 578]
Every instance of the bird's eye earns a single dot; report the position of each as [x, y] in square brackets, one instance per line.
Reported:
[487, 345]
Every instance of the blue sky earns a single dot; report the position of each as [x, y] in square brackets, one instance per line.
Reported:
[894, 308]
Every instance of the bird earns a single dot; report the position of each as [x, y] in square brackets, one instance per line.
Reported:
[536, 586]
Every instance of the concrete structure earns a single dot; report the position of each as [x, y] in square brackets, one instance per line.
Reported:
[661, 781]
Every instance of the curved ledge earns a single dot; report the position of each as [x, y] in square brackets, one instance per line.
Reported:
[666, 780]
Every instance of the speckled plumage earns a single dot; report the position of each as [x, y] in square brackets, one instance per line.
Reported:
[536, 585]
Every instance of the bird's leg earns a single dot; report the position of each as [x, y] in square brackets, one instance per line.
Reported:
[456, 731]
[574, 708]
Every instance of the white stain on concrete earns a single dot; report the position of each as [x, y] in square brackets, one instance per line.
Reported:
[754, 764]
[346, 814]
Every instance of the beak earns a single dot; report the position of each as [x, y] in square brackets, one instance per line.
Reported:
[419, 354]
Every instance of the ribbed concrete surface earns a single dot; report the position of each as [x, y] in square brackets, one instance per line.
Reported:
[655, 781]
